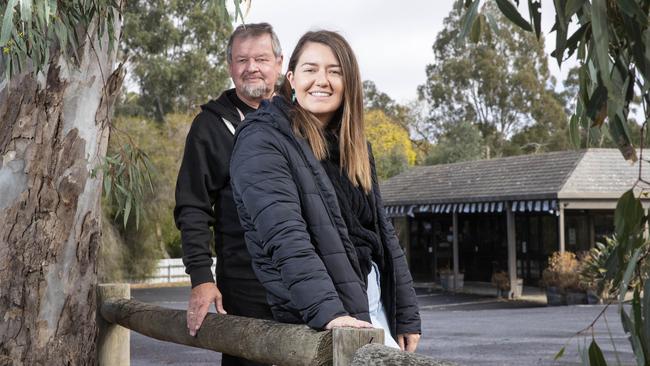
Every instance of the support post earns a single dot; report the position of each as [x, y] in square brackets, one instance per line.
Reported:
[347, 341]
[113, 343]
[561, 227]
[402, 225]
[512, 249]
[592, 229]
[455, 250]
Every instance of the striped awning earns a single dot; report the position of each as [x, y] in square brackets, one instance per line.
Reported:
[549, 206]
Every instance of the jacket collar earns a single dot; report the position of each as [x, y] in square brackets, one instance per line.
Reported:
[275, 112]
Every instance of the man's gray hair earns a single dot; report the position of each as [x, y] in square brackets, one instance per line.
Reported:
[254, 30]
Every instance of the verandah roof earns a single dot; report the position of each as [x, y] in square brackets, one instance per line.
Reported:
[480, 207]
[530, 182]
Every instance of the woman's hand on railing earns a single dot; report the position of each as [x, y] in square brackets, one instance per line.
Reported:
[202, 296]
[347, 321]
[408, 342]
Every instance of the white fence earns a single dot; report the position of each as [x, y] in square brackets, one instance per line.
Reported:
[172, 270]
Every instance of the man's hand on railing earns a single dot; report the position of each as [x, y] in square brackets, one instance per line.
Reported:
[347, 321]
[200, 299]
[408, 342]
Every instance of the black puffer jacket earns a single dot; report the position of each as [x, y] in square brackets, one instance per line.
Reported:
[296, 235]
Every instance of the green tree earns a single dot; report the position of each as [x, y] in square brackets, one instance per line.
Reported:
[177, 53]
[458, 142]
[610, 40]
[549, 132]
[373, 98]
[501, 83]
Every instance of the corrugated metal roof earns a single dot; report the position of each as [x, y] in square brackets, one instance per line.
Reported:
[597, 172]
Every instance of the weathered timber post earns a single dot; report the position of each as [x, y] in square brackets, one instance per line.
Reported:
[512, 249]
[254, 339]
[455, 250]
[346, 341]
[113, 343]
[380, 355]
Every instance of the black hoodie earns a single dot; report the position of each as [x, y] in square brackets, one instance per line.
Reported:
[204, 197]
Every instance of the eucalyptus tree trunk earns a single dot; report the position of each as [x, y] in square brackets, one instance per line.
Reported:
[54, 130]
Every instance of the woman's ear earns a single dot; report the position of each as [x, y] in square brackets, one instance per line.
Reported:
[289, 77]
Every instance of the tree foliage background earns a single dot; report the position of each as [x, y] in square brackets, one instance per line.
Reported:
[500, 83]
[177, 52]
[131, 251]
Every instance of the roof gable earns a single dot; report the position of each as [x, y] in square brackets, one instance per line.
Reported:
[602, 173]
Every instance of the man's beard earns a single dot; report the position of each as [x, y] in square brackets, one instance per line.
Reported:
[256, 90]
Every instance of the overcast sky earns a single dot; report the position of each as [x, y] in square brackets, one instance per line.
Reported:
[392, 39]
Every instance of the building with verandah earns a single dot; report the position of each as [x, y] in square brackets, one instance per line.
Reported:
[479, 217]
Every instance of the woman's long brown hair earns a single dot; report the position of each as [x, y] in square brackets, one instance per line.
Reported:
[353, 148]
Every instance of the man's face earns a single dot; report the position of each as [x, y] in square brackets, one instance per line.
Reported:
[254, 68]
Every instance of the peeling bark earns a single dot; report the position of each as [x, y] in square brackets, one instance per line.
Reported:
[52, 134]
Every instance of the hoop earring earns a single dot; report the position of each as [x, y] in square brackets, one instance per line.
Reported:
[293, 96]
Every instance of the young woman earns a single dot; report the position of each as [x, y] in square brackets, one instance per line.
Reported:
[304, 182]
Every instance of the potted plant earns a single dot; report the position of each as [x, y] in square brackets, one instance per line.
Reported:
[501, 280]
[576, 292]
[447, 279]
[562, 277]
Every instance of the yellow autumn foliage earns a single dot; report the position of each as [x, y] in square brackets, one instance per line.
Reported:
[390, 144]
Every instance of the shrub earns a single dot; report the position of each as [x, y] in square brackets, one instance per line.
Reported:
[594, 267]
[501, 280]
[593, 270]
[563, 272]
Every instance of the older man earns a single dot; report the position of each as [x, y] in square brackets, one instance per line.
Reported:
[203, 194]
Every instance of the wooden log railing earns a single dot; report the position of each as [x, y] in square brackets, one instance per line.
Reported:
[258, 340]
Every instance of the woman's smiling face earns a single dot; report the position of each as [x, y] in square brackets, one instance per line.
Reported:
[318, 81]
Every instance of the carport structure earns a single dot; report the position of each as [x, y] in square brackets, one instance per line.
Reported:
[507, 213]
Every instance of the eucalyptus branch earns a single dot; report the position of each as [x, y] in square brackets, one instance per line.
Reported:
[593, 323]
